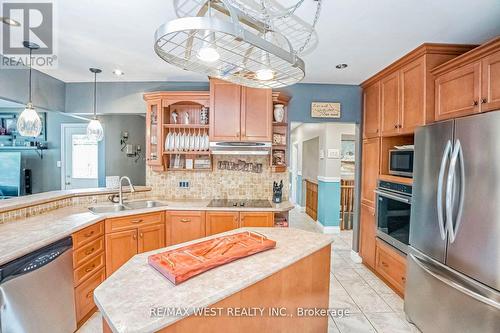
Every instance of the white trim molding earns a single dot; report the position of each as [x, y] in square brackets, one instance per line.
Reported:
[328, 229]
[329, 179]
[299, 173]
[355, 257]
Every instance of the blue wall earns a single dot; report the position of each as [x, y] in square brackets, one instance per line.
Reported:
[303, 94]
[329, 203]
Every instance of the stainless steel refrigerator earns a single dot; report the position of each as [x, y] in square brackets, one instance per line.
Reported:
[453, 267]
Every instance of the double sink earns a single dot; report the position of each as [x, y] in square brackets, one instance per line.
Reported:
[132, 205]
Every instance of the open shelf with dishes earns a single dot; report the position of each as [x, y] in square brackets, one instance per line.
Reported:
[177, 131]
[279, 148]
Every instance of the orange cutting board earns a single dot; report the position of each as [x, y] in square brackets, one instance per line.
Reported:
[183, 263]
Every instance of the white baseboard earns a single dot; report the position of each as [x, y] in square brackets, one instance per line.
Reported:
[328, 229]
[355, 257]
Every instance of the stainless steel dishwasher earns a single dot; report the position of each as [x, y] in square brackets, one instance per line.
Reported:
[36, 291]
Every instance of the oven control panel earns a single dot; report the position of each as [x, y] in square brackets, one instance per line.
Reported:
[395, 187]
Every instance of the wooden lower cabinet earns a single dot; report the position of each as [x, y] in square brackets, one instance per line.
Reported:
[391, 265]
[312, 199]
[256, 219]
[84, 295]
[151, 237]
[129, 235]
[183, 226]
[367, 235]
[217, 222]
[120, 247]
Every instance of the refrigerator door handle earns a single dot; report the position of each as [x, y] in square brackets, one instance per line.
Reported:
[444, 158]
[456, 283]
[452, 226]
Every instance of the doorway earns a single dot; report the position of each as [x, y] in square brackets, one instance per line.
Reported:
[79, 158]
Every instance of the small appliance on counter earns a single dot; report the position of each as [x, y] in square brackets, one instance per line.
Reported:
[277, 192]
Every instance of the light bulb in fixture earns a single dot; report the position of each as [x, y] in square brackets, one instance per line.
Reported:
[118, 72]
[208, 51]
[8, 21]
[264, 74]
[29, 123]
[95, 130]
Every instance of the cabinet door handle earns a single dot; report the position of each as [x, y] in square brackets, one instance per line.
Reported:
[475, 103]
[384, 264]
[185, 220]
[89, 251]
[136, 221]
[400, 126]
[89, 294]
[89, 269]
[237, 134]
[89, 234]
[484, 100]
[134, 236]
[396, 126]
[141, 235]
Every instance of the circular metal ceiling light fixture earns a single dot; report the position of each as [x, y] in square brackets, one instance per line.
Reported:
[341, 66]
[246, 54]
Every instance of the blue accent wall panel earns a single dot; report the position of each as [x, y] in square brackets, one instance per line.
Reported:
[299, 190]
[329, 203]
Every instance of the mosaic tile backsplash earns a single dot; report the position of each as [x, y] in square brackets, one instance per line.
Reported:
[218, 184]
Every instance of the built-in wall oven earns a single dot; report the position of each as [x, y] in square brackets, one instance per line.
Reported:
[393, 214]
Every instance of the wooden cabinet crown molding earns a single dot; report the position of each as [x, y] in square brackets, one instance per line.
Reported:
[475, 54]
[426, 48]
[201, 97]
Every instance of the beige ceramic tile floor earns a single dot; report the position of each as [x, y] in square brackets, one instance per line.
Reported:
[373, 306]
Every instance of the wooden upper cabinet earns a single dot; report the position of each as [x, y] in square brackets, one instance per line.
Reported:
[389, 104]
[256, 114]
[217, 222]
[367, 239]
[120, 247]
[371, 111]
[370, 165]
[151, 237]
[183, 226]
[256, 219]
[457, 92]
[224, 119]
[490, 96]
[412, 77]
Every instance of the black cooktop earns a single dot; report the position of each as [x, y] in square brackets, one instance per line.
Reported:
[240, 203]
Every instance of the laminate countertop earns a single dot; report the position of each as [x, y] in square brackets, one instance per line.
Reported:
[20, 237]
[127, 298]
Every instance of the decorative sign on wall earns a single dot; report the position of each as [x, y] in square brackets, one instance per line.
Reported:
[325, 110]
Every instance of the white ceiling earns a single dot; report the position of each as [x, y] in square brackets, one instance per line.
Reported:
[365, 34]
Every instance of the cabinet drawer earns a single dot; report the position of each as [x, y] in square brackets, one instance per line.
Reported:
[391, 266]
[84, 271]
[87, 252]
[87, 235]
[132, 222]
[84, 294]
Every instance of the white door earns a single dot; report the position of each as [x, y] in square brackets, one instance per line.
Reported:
[79, 157]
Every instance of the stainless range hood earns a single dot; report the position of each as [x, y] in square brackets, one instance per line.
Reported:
[240, 148]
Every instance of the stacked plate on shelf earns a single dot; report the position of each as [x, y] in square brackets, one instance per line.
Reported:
[186, 141]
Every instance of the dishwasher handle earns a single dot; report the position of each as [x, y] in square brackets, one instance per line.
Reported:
[34, 260]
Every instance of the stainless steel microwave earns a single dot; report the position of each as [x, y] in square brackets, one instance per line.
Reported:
[401, 162]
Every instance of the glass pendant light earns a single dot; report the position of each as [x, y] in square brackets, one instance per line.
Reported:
[264, 73]
[208, 51]
[94, 128]
[29, 123]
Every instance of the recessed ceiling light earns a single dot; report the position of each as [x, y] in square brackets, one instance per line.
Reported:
[118, 72]
[9, 21]
[341, 66]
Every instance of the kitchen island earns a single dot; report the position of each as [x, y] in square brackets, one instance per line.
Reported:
[261, 293]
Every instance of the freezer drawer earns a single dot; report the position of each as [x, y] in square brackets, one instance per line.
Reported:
[438, 299]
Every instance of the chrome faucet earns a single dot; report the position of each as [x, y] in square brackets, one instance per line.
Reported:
[120, 193]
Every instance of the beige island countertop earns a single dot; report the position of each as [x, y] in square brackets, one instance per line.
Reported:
[130, 295]
[20, 237]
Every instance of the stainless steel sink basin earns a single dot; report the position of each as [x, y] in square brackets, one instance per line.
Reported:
[107, 209]
[140, 204]
[144, 204]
